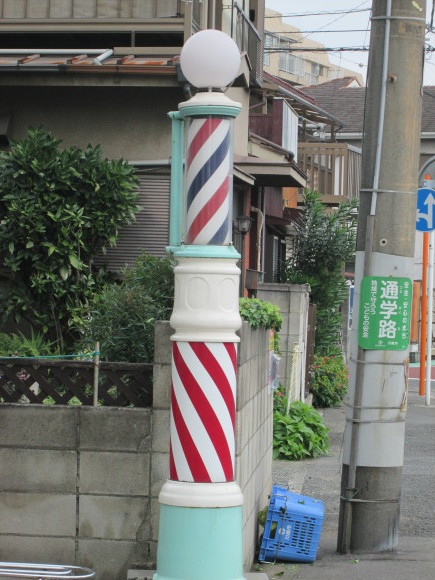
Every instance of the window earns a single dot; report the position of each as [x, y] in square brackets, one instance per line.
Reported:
[289, 62]
[270, 40]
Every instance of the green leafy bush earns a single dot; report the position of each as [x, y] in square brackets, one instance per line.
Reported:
[23, 346]
[260, 313]
[124, 314]
[58, 209]
[328, 380]
[299, 435]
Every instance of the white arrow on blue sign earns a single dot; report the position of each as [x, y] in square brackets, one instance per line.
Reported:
[425, 209]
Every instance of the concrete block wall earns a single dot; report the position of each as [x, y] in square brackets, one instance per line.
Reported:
[74, 486]
[254, 435]
[293, 302]
[80, 485]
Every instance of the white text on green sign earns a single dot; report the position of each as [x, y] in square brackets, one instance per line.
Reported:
[385, 313]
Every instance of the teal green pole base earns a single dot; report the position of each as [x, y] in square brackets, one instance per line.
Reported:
[200, 543]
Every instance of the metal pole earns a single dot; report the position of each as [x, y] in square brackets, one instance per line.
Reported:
[423, 326]
[429, 317]
[374, 435]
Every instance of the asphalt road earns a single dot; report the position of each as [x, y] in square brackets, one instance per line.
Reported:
[321, 477]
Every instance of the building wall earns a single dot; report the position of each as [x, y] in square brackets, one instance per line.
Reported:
[311, 60]
[131, 123]
[81, 484]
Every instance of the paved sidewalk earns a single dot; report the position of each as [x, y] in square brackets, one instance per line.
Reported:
[320, 478]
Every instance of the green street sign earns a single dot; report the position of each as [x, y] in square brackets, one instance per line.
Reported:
[385, 313]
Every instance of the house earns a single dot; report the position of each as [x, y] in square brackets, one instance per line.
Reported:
[345, 97]
[107, 72]
[295, 57]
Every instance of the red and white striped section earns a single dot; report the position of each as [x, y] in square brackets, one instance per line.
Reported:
[208, 181]
[203, 412]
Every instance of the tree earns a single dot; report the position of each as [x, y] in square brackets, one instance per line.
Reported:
[325, 241]
[58, 209]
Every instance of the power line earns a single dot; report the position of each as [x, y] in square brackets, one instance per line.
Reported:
[324, 49]
[281, 32]
[296, 15]
[328, 49]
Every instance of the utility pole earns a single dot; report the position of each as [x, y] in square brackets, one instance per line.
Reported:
[375, 431]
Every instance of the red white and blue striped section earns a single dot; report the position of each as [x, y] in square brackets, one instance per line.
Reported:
[208, 181]
[203, 412]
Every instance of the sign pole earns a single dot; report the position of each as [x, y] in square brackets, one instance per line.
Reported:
[429, 318]
[423, 326]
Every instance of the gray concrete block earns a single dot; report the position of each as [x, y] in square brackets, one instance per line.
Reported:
[161, 431]
[114, 518]
[38, 426]
[38, 514]
[114, 473]
[38, 470]
[159, 472]
[115, 429]
[155, 519]
[162, 342]
[161, 386]
[37, 549]
[112, 559]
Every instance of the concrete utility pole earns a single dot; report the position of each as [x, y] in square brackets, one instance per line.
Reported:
[375, 432]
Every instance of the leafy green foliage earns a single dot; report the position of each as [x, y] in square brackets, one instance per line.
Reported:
[299, 435]
[261, 313]
[328, 380]
[325, 241]
[124, 314]
[22, 346]
[58, 209]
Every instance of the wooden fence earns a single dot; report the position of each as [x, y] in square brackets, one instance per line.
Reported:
[74, 382]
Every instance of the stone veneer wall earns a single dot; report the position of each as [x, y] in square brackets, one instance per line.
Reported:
[81, 484]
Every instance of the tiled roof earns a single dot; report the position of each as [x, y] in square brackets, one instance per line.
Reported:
[347, 102]
[94, 61]
[282, 83]
[301, 102]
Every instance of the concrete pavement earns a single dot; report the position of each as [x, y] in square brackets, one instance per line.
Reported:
[320, 478]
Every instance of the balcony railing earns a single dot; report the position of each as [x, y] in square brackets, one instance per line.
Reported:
[248, 40]
[333, 169]
[102, 15]
[74, 9]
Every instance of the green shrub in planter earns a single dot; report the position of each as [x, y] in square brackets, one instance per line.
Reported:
[299, 435]
[328, 376]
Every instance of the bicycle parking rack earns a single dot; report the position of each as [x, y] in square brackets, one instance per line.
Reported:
[44, 571]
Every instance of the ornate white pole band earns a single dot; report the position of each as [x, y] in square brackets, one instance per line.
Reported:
[206, 303]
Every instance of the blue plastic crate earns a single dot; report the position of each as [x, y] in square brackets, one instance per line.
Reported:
[293, 527]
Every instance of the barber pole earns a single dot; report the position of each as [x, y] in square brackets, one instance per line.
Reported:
[200, 529]
[208, 181]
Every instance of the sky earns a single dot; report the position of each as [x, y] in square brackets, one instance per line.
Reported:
[350, 30]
